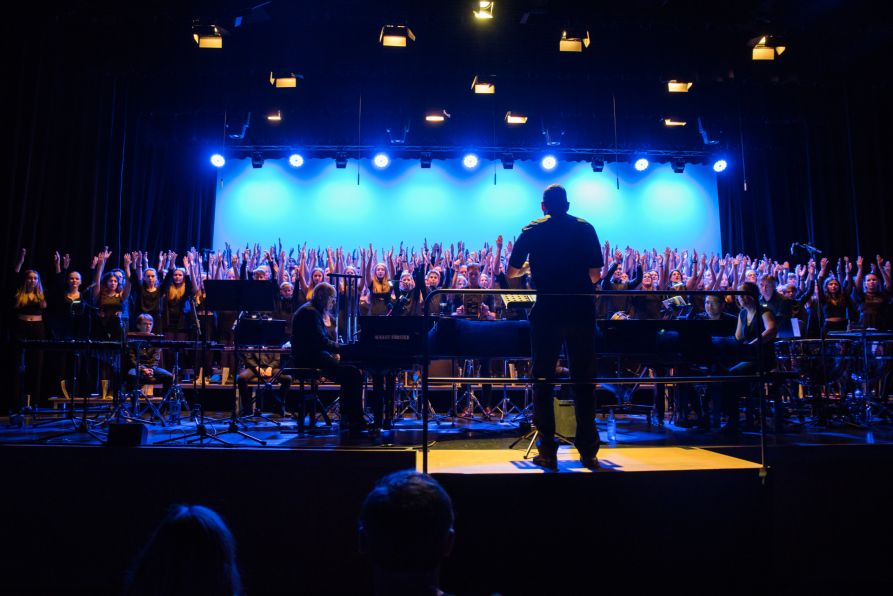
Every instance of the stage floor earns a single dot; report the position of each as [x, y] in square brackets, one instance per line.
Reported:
[616, 459]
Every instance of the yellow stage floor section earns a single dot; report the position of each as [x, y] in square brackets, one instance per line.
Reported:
[623, 459]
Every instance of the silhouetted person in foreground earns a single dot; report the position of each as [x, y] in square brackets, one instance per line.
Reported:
[406, 529]
[191, 552]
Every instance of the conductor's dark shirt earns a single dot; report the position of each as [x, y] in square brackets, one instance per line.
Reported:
[561, 250]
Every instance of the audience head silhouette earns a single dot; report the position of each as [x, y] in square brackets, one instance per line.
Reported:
[191, 552]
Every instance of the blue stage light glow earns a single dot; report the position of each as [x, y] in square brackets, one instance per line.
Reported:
[641, 164]
[296, 160]
[324, 206]
[381, 160]
[217, 160]
[720, 165]
[470, 161]
[549, 162]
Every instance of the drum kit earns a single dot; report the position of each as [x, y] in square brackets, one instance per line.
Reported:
[852, 366]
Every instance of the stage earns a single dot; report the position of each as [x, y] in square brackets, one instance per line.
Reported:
[669, 506]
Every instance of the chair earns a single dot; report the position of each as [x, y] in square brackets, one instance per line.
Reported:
[308, 402]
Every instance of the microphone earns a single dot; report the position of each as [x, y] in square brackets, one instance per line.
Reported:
[807, 247]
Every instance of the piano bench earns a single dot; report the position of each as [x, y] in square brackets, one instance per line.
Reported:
[308, 402]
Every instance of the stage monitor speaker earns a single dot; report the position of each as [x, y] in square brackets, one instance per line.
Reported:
[565, 418]
[130, 434]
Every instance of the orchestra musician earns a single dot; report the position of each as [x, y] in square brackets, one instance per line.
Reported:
[313, 348]
[144, 361]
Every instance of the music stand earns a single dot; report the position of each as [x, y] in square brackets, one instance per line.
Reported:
[234, 295]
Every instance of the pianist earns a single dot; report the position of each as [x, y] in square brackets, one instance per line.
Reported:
[313, 348]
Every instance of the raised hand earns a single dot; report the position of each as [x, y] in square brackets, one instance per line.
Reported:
[127, 259]
[66, 260]
[824, 263]
[56, 259]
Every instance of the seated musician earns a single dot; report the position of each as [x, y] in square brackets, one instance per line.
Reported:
[756, 325]
[261, 367]
[780, 306]
[143, 360]
[313, 348]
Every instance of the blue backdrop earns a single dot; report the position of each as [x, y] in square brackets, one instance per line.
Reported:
[324, 206]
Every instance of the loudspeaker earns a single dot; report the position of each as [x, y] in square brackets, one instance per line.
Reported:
[127, 434]
[565, 417]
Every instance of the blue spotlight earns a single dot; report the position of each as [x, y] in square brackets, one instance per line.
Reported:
[641, 164]
[470, 161]
[549, 162]
[296, 160]
[381, 160]
[720, 165]
[217, 160]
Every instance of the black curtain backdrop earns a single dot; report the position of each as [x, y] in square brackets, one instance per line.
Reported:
[817, 163]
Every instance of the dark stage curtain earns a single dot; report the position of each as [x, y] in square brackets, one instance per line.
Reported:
[817, 166]
[96, 157]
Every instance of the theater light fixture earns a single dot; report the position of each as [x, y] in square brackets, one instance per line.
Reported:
[284, 80]
[598, 164]
[395, 36]
[678, 165]
[425, 160]
[553, 136]
[670, 122]
[470, 161]
[341, 160]
[720, 165]
[482, 85]
[217, 160]
[275, 116]
[257, 160]
[437, 116]
[508, 161]
[766, 49]
[573, 41]
[207, 36]
[381, 160]
[674, 86]
[515, 118]
[641, 164]
[296, 160]
[549, 162]
[485, 10]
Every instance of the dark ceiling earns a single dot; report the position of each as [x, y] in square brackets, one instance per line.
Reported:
[354, 89]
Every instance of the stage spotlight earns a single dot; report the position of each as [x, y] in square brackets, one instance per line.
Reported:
[766, 48]
[275, 117]
[470, 161]
[671, 123]
[425, 160]
[257, 160]
[641, 164]
[678, 165]
[515, 118]
[485, 10]
[598, 164]
[437, 116]
[341, 160]
[549, 162]
[381, 160]
[482, 85]
[675, 86]
[285, 80]
[508, 161]
[720, 165]
[207, 36]
[573, 41]
[395, 36]
[217, 160]
[296, 160]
